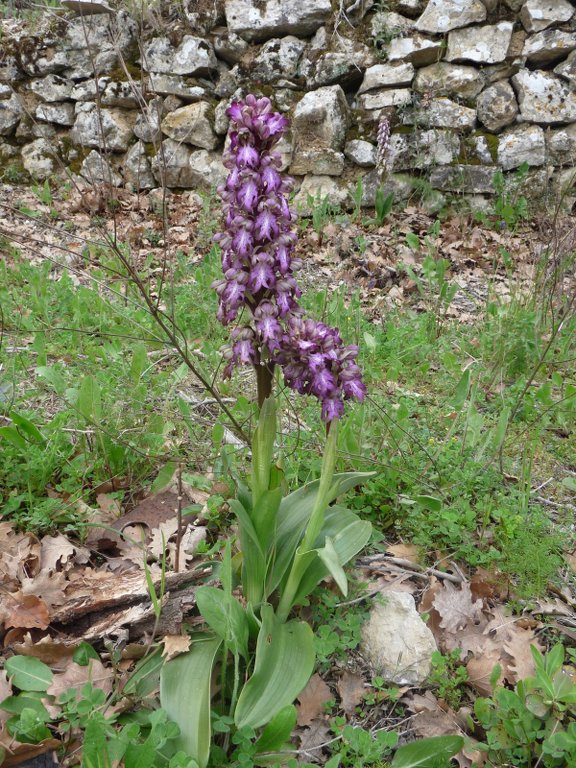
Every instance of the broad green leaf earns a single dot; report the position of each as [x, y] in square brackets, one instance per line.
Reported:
[83, 654]
[253, 558]
[427, 753]
[264, 516]
[145, 677]
[293, 515]
[278, 730]
[94, 747]
[185, 695]
[28, 673]
[89, 401]
[53, 376]
[16, 704]
[329, 557]
[12, 435]
[430, 503]
[139, 363]
[164, 477]
[283, 665]
[28, 428]
[225, 615]
[461, 392]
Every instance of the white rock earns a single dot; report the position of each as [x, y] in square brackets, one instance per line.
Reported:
[206, 169]
[175, 85]
[343, 64]
[497, 106]
[386, 76]
[561, 145]
[536, 15]
[194, 56]
[521, 144]
[567, 69]
[549, 46]
[38, 159]
[544, 98]
[257, 21]
[111, 129]
[10, 113]
[122, 94]
[389, 24]
[317, 188]
[97, 170]
[171, 165]
[87, 7]
[361, 153]
[60, 114]
[473, 179]
[89, 90]
[277, 58]
[192, 124]
[411, 8]
[52, 88]
[5, 91]
[442, 113]
[230, 47]
[485, 45]
[318, 131]
[422, 149]
[390, 97]
[395, 641]
[416, 49]
[443, 79]
[147, 126]
[443, 15]
[137, 168]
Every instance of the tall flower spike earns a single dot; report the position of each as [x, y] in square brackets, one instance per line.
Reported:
[258, 267]
[383, 146]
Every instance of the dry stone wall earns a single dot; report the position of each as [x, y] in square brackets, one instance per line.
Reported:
[469, 86]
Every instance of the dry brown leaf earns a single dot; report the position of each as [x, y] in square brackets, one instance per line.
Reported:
[480, 669]
[75, 676]
[425, 702]
[312, 700]
[17, 753]
[58, 551]
[49, 585]
[26, 611]
[159, 537]
[408, 552]
[517, 648]
[174, 645]
[435, 723]
[351, 690]
[313, 737]
[110, 507]
[191, 538]
[54, 653]
[456, 609]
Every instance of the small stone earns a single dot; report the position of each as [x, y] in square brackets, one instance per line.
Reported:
[396, 643]
[97, 170]
[387, 75]
[137, 168]
[485, 45]
[343, 65]
[10, 113]
[194, 56]
[256, 21]
[410, 8]
[175, 85]
[207, 170]
[497, 106]
[171, 165]
[387, 24]
[89, 90]
[87, 7]
[443, 15]
[38, 159]
[549, 46]
[561, 145]
[361, 153]
[122, 94]
[147, 126]
[443, 79]
[536, 15]
[230, 47]
[277, 58]
[318, 132]
[102, 128]
[191, 124]
[522, 144]
[422, 149]
[60, 114]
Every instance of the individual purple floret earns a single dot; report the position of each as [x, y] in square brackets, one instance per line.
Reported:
[258, 272]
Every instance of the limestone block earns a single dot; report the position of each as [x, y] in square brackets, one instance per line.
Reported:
[561, 145]
[548, 46]
[521, 144]
[360, 153]
[396, 643]
[192, 124]
[138, 169]
[389, 97]
[343, 65]
[206, 169]
[442, 113]
[422, 149]
[318, 131]
[443, 15]
[194, 56]
[567, 69]
[472, 179]
[5, 91]
[256, 21]
[171, 165]
[443, 79]
[122, 94]
[386, 76]
[278, 58]
[229, 46]
[390, 24]
[544, 98]
[52, 88]
[38, 159]
[10, 113]
[147, 126]
[486, 45]
[96, 169]
[537, 15]
[175, 85]
[111, 129]
[89, 90]
[416, 49]
[497, 106]
[60, 114]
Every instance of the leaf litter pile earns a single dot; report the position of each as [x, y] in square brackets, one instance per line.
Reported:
[58, 593]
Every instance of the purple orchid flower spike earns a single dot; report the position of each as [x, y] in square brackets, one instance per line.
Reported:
[258, 266]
